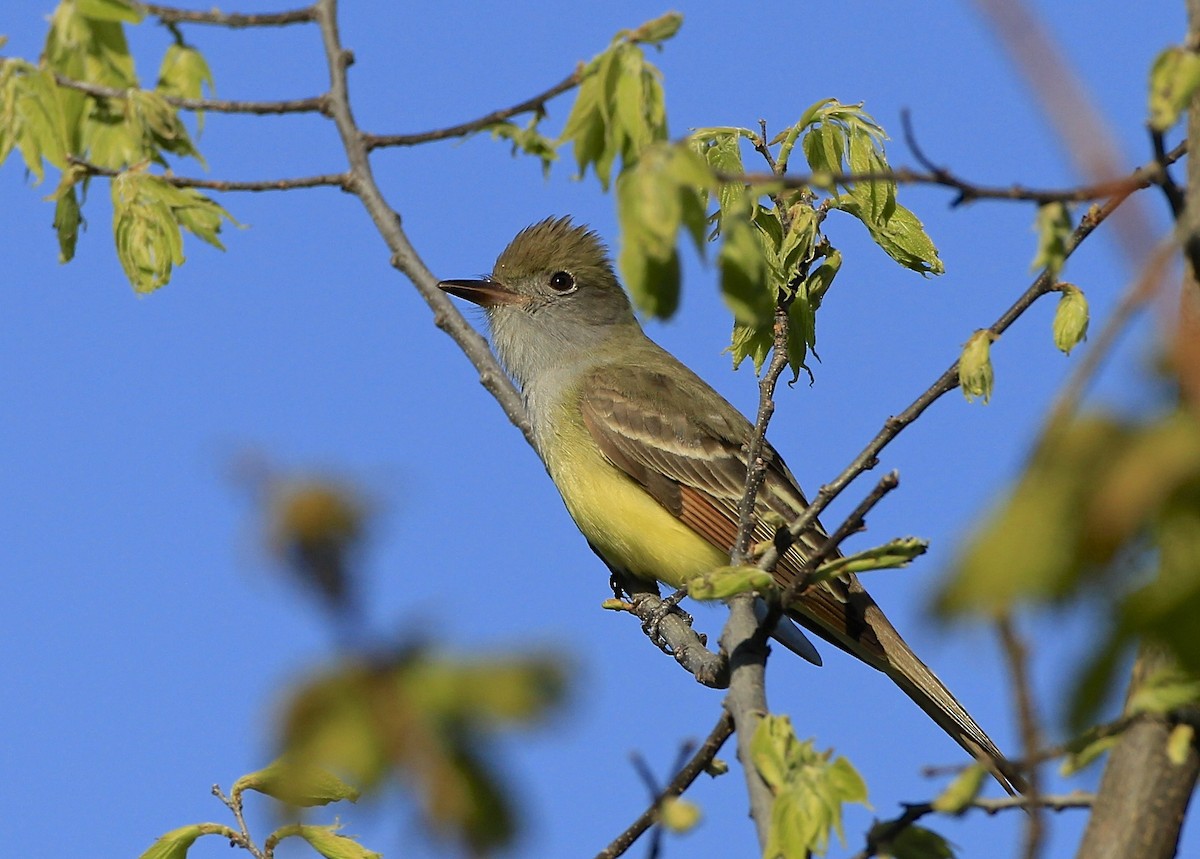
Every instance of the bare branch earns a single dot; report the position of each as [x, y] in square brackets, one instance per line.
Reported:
[172, 15]
[1017, 655]
[339, 180]
[883, 834]
[536, 104]
[688, 774]
[313, 104]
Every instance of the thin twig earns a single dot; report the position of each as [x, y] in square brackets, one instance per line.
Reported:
[535, 104]
[234, 804]
[1017, 655]
[313, 104]
[338, 180]
[172, 15]
[688, 774]
[883, 834]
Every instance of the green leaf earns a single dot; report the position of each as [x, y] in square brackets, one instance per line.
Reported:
[745, 281]
[975, 375]
[810, 789]
[891, 555]
[962, 791]
[326, 841]
[184, 73]
[1174, 78]
[657, 30]
[157, 123]
[67, 219]
[31, 117]
[725, 582]
[1054, 231]
[110, 10]
[1179, 743]
[528, 140]
[174, 844]
[1070, 318]
[297, 783]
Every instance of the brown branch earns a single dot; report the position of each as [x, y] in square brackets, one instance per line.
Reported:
[536, 104]
[313, 104]
[683, 779]
[884, 834]
[338, 180]
[1017, 655]
[172, 15]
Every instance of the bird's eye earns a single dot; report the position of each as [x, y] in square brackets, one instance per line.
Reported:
[562, 281]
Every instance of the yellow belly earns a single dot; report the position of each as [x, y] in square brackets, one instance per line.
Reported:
[631, 530]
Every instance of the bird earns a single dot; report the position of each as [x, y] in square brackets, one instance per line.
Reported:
[651, 461]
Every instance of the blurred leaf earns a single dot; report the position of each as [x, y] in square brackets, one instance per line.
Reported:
[1077, 760]
[725, 582]
[679, 815]
[809, 789]
[1054, 231]
[326, 841]
[962, 791]
[912, 842]
[1070, 318]
[174, 844]
[745, 284]
[1164, 692]
[1031, 546]
[314, 525]
[426, 720]
[1179, 743]
[721, 150]
[297, 783]
[1174, 77]
[975, 375]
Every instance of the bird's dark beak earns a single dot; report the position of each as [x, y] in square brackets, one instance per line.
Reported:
[485, 293]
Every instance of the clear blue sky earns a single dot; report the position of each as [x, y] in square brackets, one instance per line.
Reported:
[145, 640]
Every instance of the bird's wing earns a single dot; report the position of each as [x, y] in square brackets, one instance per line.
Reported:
[693, 462]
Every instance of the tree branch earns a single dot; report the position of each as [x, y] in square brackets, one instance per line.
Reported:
[536, 104]
[313, 104]
[338, 180]
[172, 15]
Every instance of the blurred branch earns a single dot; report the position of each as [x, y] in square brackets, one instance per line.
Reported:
[1017, 655]
[313, 104]
[682, 780]
[883, 834]
[172, 15]
[535, 104]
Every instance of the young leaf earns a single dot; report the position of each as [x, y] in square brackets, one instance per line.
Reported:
[1070, 318]
[326, 841]
[725, 582]
[297, 783]
[174, 844]
[67, 219]
[745, 281]
[679, 815]
[975, 375]
[110, 10]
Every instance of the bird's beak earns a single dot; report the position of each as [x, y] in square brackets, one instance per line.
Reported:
[485, 293]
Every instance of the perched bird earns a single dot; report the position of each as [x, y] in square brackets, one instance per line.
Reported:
[651, 461]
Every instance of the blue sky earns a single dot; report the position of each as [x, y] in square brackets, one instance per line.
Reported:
[146, 640]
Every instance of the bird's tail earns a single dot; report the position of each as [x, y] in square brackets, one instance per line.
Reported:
[858, 626]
